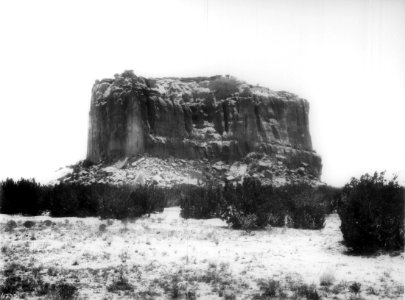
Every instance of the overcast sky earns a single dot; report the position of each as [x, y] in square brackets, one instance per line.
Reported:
[347, 58]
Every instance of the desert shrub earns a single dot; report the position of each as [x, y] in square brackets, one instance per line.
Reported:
[251, 205]
[43, 288]
[48, 223]
[29, 224]
[13, 268]
[128, 73]
[64, 291]
[372, 213]
[102, 228]
[327, 279]
[5, 250]
[20, 197]
[157, 199]
[329, 196]
[72, 200]
[18, 281]
[19, 284]
[11, 285]
[355, 287]
[128, 202]
[79, 200]
[62, 200]
[10, 225]
[175, 288]
[200, 202]
[192, 295]
[308, 292]
[114, 202]
[28, 284]
[270, 288]
[243, 200]
[247, 222]
[224, 87]
[268, 205]
[87, 163]
[120, 283]
[303, 207]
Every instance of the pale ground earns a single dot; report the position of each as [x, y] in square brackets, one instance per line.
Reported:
[165, 253]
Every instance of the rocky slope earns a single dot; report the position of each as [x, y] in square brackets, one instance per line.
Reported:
[201, 121]
[173, 171]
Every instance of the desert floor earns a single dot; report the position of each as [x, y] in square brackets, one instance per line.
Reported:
[165, 256]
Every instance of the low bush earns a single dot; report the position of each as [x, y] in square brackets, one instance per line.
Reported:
[243, 200]
[290, 205]
[11, 285]
[123, 203]
[329, 196]
[48, 223]
[64, 291]
[355, 287]
[308, 292]
[87, 163]
[141, 200]
[29, 224]
[70, 200]
[327, 279]
[251, 205]
[304, 205]
[271, 289]
[224, 87]
[246, 222]
[22, 284]
[200, 202]
[120, 283]
[372, 213]
[10, 225]
[102, 228]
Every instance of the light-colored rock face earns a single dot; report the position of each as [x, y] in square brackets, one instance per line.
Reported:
[215, 117]
[173, 171]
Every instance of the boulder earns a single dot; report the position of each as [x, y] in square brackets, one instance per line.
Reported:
[139, 179]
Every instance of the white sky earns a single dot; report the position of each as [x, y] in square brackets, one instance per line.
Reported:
[346, 57]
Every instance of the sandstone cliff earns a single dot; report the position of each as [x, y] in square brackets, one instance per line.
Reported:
[214, 118]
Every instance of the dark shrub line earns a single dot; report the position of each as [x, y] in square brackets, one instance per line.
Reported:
[22, 197]
[252, 205]
[27, 197]
[371, 208]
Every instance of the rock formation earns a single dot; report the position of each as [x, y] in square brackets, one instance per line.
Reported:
[217, 118]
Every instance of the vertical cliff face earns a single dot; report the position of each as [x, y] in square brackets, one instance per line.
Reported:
[116, 126]
[204, 117]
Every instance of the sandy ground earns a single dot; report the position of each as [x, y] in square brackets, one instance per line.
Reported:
[165, 256]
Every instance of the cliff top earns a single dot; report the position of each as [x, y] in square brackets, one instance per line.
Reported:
[187, 89]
